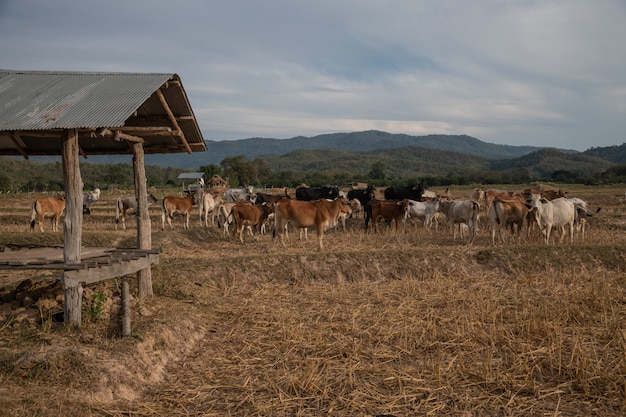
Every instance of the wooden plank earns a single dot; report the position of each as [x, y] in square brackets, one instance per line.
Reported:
[93, 275]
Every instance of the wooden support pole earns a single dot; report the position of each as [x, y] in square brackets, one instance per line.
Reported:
[73, 224]
[144, 228]
[125, 308]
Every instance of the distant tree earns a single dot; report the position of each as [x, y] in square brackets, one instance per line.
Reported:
[210, 170]
[564, 176]
[238, 170]
[377, 172]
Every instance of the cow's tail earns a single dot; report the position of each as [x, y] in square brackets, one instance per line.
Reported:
[494, 203]
[33, 215]
[475, 212]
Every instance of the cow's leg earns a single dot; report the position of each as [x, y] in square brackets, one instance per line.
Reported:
[240, 232]
[548, 229]
[320, 236]
[186, 225]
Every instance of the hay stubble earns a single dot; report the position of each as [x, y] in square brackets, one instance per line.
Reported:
[416, 324]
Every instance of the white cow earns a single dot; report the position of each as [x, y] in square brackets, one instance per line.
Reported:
[461, 212]
[557, 213]
[90, 199]
[208, 203]
[235, 195]
[424, 210]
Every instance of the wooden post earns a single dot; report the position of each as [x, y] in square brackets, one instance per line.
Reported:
[73, 225]
[144, 228]
[125, 308]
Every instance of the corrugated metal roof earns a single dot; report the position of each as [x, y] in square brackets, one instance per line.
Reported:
[35, 102]
[191, 175]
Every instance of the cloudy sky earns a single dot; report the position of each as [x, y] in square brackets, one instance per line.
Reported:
[516, 72]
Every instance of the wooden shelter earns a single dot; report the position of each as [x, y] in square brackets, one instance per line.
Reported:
[74, 114]
[217, 181]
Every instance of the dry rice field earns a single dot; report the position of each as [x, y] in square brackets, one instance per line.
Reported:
[378, 324]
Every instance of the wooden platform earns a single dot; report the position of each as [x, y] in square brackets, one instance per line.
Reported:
[96, 264]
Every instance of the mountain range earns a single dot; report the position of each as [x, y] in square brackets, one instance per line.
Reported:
[401, 154]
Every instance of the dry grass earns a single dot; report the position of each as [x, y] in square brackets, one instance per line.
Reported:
[376, 324]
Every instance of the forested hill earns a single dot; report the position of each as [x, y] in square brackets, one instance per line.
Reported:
[371, 140]
[365, 141]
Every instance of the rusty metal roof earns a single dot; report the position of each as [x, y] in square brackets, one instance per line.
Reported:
[106, 109]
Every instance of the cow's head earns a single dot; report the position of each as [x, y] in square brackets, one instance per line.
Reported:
[405, 206]
[535, 203]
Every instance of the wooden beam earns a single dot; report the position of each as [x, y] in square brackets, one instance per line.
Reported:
[119, 136]
[19, 145]
[173, 119]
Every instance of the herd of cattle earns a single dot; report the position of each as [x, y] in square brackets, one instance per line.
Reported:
[326, 207]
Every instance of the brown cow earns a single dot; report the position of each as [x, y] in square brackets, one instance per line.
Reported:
[176, 205]
[492, 193]
[506, 213]
[319, 213]
[247, 215]
[47, 208]
[390, 210]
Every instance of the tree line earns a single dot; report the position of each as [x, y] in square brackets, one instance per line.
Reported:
[29, 176]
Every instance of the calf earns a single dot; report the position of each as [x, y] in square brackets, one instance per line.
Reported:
[47, 208]
[320, 213]
[390, 210]
[251, 216]
[126, 206]
[176, 205]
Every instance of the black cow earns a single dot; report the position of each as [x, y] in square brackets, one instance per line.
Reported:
[412, 192]
[364, 196]
[316, 193]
